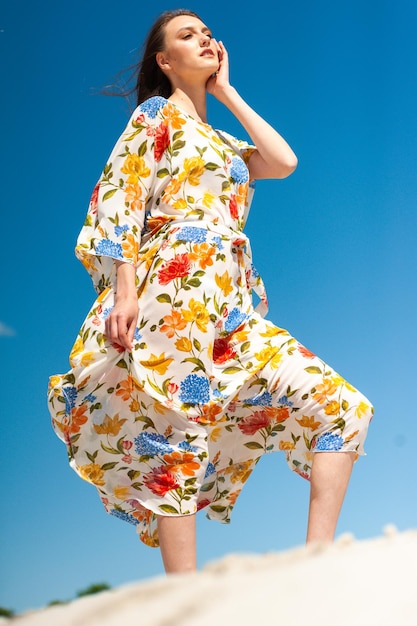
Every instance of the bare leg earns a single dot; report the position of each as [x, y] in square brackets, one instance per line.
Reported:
[330, 476]
[177, 538]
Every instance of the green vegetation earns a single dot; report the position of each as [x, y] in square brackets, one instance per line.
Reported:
[93, 589]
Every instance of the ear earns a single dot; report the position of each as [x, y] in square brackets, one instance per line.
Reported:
[162, 61]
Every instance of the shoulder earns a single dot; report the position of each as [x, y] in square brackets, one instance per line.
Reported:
[151, 107]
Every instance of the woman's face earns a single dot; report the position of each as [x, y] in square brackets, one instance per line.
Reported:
[189, 49]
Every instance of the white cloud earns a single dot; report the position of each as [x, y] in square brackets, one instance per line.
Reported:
[6, 331]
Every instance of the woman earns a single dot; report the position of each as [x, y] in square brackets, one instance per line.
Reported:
[178, 385]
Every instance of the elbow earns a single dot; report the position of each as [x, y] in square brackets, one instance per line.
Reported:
[288, 167]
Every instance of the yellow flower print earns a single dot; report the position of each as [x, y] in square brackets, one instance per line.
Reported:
[308, 422]
[180, 204]
[240, 472]
[54, 381]
[133, 195]
[135, 167]
[332, 408]
[286, 445]
[77, 348]
[184, 344]
[131, 248]
[121, 493]
[208, 199]
[203, 254]
[134, 406]
[325, 389]
[198, 314]
[92, 473]
[215, 433]
[242, 192]
[193, 170]
[272, 331]
[110, 425]
[269, 354]
[159, 364]
[240, 336]
[87, 261]
[361, 409]
[173, 116]
[224, 282]
[87, 358]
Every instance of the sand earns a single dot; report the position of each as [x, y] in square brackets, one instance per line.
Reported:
[349, 583]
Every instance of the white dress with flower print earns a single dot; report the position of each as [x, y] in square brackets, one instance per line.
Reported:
[178, 423]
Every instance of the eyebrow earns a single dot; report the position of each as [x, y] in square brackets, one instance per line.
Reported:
[204, 30]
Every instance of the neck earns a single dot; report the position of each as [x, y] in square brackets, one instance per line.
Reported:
[192, 100]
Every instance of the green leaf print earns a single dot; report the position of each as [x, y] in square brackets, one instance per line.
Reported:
[254, 445]
[232, 370]
[109, 194]
[167, 508]
[312, 369]
[164, 297]
[108, 466]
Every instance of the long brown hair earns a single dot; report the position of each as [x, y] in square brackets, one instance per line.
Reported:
[151, 81]
[147, 77]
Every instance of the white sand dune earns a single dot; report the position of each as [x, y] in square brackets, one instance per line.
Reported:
[350, 583]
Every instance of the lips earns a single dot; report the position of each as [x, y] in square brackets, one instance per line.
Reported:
[207, 52]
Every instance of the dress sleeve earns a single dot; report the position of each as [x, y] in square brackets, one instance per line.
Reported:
[243, 148]
[116, 214]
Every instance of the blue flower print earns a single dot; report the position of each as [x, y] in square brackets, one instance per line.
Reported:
[109, 248]
[119, 230]
[234, 319]
[192, 233]
[127, 517]
[283, 401]
[90, 398]
[137, 335]
[265, 399]
[187, 447]
[239, 171]
[328, 442]
[218, 242]
[106, 312]
[210, 470]
[194, 390]
[152, 444]
[152, 106]
[254, 271]
[70, 395]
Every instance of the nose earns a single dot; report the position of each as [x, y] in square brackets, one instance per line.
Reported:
[205, 40]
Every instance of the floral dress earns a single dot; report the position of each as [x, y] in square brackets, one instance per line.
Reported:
[178, 424]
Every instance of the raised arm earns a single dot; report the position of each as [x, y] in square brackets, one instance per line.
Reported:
[273, 157]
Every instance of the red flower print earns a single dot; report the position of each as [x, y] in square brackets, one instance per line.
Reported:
[233, 207]
[178, 267]
[126, 444]
[160, 481]
[94, 199]
[172, 387]
[307, 353]
[222, 351]
[140, 119]
[251, 424]
[202, 504]
[161, 141]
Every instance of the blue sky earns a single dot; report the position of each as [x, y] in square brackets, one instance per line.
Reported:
[335, 243]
